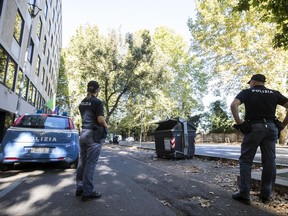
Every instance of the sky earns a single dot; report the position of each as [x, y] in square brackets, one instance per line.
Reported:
[128, 15]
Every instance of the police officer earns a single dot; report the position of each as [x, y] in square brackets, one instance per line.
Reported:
[259, 129]
[92, 137]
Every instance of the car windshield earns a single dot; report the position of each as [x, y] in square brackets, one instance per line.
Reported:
[43, 121]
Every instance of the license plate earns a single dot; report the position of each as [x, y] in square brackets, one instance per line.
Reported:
[40, 150]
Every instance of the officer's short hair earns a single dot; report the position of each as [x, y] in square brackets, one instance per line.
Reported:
[92, 86]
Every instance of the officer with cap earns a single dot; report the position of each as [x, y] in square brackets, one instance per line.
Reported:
[92, 136]
[260, 129]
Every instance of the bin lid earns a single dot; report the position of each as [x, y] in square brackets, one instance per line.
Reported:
[173, 123]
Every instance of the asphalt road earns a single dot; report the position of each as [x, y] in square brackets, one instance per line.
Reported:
[133, 182]
[233, 152]
[229, 151]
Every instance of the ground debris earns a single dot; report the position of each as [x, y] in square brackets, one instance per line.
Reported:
[204, 203]
[165, 203]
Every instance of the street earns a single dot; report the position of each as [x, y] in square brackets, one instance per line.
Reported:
[228, 151]
[233, 152]
[133, 182]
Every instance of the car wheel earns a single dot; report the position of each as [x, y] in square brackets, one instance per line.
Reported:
[74, 164]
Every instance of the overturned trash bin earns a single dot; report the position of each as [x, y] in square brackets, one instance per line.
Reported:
[175, 138]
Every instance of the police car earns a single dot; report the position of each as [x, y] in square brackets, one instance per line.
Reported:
[40, 138]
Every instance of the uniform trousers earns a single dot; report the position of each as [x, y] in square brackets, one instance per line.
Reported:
[89, 155]
[263, 136]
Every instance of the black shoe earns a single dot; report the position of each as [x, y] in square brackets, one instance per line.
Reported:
[239, 198]
[264, 200]
[79, 192]
[94, 195]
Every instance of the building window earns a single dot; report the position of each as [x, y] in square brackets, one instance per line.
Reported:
[25, 88]
[53, 16]
[25, 85]
[43, 76]
[10, 74]
[39, 28]
[38, 100]
[3, 63]
[49, 27]
[1, 5]
[46, 10]
[37, 71]
[49, 90]
[31, 94]
[7, 70]
[19, 81]
[52, 38]
[50, 67]
[44, 45]
[48, 57]
[46, 84]
[53, 52]
[42, 101]
[31, 5]
[18, 28]
[30, 51]
[35, 97]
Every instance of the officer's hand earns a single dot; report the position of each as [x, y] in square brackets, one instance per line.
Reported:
[245, 127]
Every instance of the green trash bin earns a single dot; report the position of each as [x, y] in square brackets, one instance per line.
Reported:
[175, 138]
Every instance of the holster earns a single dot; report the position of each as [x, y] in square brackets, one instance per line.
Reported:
[279, 126]
[100, 133]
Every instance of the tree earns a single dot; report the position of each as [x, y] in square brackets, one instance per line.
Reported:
[62, 97]
[176, 95]
[215, 120]
[274, 11]
[121, 66]
[186, 82]
[221, 122]
[234, 46]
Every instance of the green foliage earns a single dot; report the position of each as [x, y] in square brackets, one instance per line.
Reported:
[232, 46]
[121, 67]
[62, 97]
[220, 121]
[274, 11]
[215, 120]
[143, 78]
[185, 82]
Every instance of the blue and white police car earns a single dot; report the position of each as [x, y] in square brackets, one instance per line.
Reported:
[40, 138]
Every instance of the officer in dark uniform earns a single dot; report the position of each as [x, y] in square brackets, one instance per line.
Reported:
[259, 129]
[92, 136]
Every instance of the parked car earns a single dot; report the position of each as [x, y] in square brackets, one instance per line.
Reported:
[130, 139]
[40, 138]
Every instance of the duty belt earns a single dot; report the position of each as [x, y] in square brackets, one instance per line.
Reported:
[89, 128]
[263, 120]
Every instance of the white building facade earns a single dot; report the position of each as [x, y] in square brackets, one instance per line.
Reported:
[31, 28]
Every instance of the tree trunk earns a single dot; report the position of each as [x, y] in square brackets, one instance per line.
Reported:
[283, 135]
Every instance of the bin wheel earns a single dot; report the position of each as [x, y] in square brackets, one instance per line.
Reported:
[6, 167]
